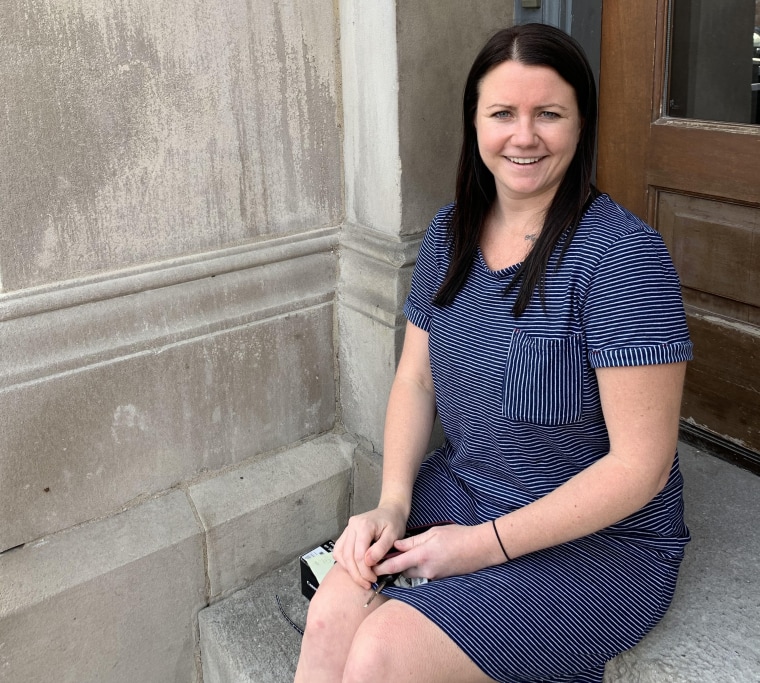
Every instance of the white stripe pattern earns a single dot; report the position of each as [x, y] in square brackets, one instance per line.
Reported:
[519, 403]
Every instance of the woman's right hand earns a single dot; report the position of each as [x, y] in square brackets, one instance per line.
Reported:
[366, 540]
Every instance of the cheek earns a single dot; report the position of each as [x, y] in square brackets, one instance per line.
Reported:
[570, 142]
[488, 139]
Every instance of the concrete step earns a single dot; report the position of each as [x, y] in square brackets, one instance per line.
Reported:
[709, 634]
[245, 638]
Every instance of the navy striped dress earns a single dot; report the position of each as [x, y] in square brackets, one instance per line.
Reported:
[520, 407]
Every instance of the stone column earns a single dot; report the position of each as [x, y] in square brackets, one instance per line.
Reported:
[404, 67]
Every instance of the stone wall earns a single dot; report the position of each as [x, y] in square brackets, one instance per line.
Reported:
[171, 192]
[139, 131]
[194, 286]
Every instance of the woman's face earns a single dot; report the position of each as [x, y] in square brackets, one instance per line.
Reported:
[528, 126]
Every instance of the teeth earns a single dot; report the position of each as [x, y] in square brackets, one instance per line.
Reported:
[524, 160]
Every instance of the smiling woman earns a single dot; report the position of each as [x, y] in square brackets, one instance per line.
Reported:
[528, 126]
[545, 327]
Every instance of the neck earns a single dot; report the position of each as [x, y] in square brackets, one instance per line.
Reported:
[521, 211]
[524, 222]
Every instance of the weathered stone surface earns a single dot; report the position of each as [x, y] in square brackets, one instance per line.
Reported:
[710, 631]
[368, 351]
[137, 131]
[78, 445]
[259, 516]
[370, 106]
[113, 601]
[436, 43]
[375, 272]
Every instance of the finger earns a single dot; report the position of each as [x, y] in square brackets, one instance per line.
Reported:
[338, 547]
[357, 539]
[379, 549]
[343, 554]
[364, 542]
[405, 544]
[365, 576]
[400, 563]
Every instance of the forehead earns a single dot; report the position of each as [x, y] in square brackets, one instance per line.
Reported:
[523, 84]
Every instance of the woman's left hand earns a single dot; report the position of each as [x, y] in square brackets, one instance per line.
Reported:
[446, 550]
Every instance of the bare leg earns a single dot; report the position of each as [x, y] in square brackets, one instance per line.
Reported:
[335, 613]
[387, 641]
[397, 643]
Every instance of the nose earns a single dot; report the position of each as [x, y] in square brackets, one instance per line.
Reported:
[524, 132]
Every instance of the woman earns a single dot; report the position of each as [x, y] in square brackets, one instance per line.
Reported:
[546, 328]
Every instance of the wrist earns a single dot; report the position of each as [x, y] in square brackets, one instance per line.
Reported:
[487, 547]
[504, 552]
[398, 504]
[492, 549]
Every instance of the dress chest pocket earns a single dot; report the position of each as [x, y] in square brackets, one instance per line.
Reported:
[543, 379]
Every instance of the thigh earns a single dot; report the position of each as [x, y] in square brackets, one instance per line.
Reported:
[398, 643]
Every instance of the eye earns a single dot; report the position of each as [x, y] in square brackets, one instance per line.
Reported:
[550, 115]
[502, 114]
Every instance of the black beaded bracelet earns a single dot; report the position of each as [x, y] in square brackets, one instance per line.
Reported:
[498, 538]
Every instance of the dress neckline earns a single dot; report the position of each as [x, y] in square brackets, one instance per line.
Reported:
[501, 273]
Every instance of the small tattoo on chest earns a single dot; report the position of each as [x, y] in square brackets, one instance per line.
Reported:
[531, 238]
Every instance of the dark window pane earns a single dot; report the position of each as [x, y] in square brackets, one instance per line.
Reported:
[714, 60]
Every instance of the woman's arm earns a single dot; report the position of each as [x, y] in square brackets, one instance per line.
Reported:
[641, 407]
[408, 421]
[408, 424]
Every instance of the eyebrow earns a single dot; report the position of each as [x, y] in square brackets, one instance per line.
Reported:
[553, 105]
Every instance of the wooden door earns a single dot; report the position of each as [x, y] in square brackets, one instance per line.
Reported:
[698, 183]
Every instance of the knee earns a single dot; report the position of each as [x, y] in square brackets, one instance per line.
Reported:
[366, 663]
[371, 657]
[335, 610]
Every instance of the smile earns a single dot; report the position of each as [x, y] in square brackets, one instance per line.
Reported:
[523, 161]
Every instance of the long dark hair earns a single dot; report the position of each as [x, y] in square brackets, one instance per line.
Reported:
[532, 45]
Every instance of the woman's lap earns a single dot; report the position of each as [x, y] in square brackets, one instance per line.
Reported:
[554, 615]
[387, 641]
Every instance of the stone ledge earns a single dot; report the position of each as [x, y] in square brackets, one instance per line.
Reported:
[710, 631]
[110, 325]
[245, 639]
[258, 516]
[113, 600]
[82, 445]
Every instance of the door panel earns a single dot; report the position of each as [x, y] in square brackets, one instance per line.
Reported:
[722, 160]
[722, 378]
[714, 245]
[698, 182]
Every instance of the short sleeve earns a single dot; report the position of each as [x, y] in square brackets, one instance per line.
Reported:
[633, 313]
[429, 272]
